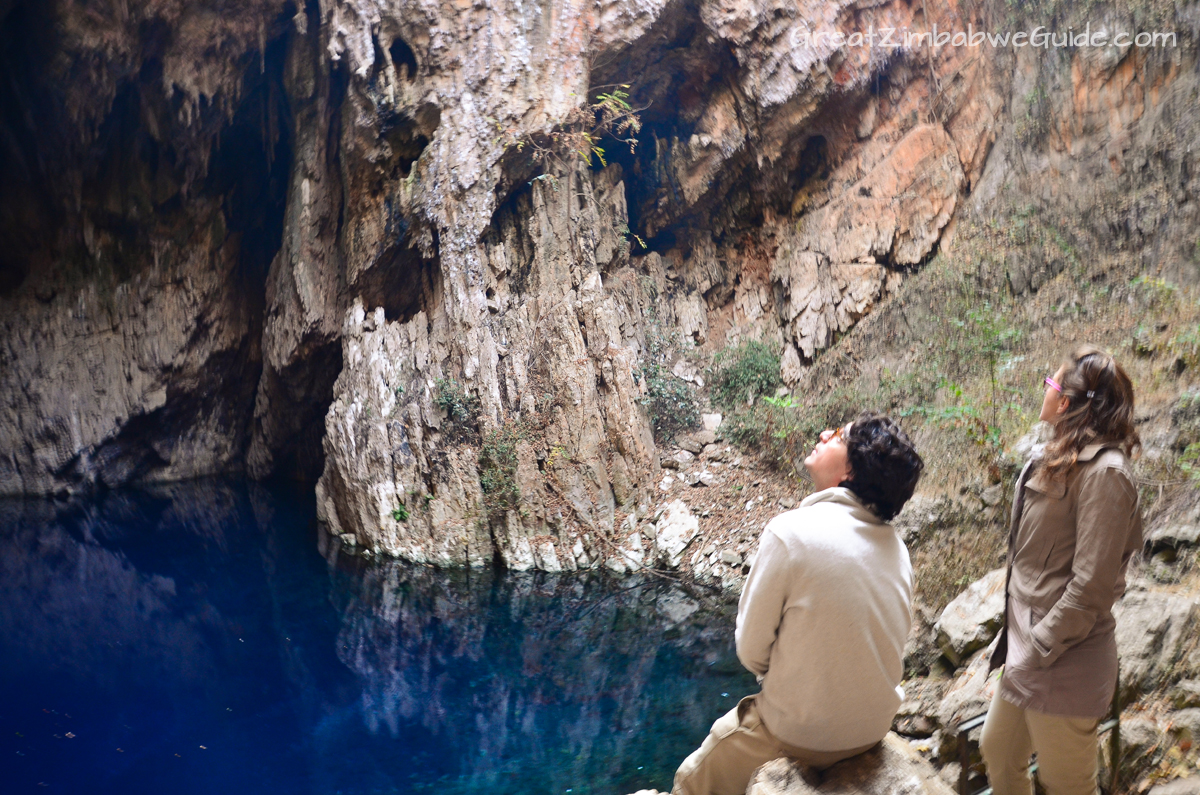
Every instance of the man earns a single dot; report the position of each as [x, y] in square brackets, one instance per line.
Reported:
[823, 617]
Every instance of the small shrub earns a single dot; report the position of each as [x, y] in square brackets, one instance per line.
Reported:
[579, 133]
[671, 402]
[453, 398]
[498, 468]
[400, 514]
[1185, 416]
[1189, 462]
[1185, 347]
[773, 430]
[741, 374]
[782, 431]
[462, 410]
[1154, 292]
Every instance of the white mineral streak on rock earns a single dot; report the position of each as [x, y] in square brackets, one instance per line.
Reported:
[674, 531]
[628, 557]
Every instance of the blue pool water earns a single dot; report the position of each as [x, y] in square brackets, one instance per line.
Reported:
[192, 639]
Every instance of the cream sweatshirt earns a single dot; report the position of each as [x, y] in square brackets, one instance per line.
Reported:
[823, 619]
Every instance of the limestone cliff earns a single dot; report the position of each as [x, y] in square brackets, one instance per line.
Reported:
[311, 240]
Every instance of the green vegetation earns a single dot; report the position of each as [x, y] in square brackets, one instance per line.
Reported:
[451, 397]
[400, 514]
[772, 428]
[580, 133]
[462, 408]
[1156, 293]
[1185, 416]
[498, 468]
[1035, 123]
[741, 374]
[670, 401]
[624, 235]
[1189, 462]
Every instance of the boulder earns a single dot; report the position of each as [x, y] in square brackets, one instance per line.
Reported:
[629, 557]
[1138, 736]
[917, 716]
[1155, 630]
[973, 618]
[1186, 694]
[1032, 442]
[992, 495]
[1185, 724]
[970, 694]
[695, 442]
[1180, 786]
[731, 557]
[711, 421]
[1173, 536]
[921, 650]
[918, 514]
[891, 768]
[675, 530]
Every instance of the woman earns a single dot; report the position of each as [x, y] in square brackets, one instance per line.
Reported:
[1075, 524]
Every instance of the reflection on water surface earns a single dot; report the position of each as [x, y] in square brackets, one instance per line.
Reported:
[192, 639]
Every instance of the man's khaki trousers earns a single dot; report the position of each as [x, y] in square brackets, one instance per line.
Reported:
[737, 745]
[1066, 749]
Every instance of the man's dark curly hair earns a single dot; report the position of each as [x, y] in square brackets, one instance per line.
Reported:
[884, 465]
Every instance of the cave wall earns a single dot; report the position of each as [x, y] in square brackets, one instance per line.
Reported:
[141, 149]
[780, 195]
[270, 237]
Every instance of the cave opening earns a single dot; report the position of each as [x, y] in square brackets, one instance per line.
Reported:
[403, 281]
[29, 213]
[670, 84]
[251, 165]
[813, 162]
[402, 55]
[406, 144]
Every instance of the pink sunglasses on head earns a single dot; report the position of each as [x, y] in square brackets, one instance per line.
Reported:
[1050, 382]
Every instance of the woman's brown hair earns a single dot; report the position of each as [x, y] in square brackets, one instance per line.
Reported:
[1099, 408]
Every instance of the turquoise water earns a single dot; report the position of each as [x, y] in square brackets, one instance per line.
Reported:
[192, 639]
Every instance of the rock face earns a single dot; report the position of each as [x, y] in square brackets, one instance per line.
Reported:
[892, 768]
[386, 239]
[314, 242]
[133, 243]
